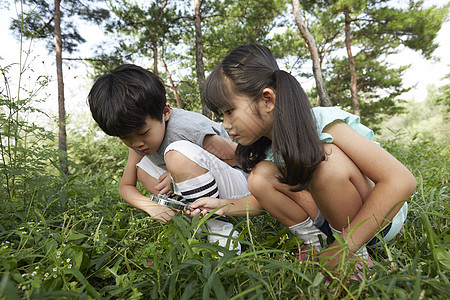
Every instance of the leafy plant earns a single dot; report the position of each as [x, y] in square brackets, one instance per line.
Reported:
[99, 247]
[71, 236]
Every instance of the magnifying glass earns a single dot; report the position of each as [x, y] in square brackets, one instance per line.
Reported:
[169, 202]
[176, 204]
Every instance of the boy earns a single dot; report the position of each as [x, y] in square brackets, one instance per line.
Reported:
[166, 146]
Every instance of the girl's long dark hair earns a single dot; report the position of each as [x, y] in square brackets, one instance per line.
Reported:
[297, 150]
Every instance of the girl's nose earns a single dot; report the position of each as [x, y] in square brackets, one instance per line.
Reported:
[226, 123]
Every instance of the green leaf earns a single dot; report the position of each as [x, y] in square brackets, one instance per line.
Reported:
[91, 290]
[443, 256]
[219, 290]
[101, 260]
[318, 279]
[8, 289]
[189, 291]
[76, 236]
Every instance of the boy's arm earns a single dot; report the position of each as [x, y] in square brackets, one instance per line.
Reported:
[221, 147]
[130, 193]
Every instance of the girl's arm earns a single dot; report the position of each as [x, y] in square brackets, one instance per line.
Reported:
[225, 149]
[130, 193]
[394, 184]
[221, 147]
[232, 207]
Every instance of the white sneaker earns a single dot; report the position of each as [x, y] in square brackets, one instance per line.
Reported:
[309, 233]
[217, 227]
[362, 253]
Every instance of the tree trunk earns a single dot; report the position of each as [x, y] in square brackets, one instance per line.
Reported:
[199, 55]
[153, 42]
[155, 59]
[172, 85]
[351, 63]
[59, 75]
[311, 43]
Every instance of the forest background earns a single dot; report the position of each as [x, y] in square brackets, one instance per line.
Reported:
[66, 233]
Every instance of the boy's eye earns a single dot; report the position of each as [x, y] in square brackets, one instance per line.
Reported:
[144, 133]
[228, 111]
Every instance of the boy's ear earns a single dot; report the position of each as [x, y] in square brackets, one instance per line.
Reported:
[167, 112]
[268, 97]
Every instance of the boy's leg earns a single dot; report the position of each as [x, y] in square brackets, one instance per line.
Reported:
[295, 210]
[197, 173]
[206, 186]
[231, 182]
[201, 185]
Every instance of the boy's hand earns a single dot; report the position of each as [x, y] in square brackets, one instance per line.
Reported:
[205, 205]
[164, 185]
[161, 212]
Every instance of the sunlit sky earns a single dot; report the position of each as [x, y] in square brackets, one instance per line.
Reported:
[421, 74]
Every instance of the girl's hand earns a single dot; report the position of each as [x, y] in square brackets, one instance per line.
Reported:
[331, 259]
[164, 184]
[205, 205]
[331, 256]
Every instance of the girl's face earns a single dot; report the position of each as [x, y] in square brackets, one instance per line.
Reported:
[247, 121]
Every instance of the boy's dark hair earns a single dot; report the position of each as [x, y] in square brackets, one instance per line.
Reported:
[296, 146]
[121, 100]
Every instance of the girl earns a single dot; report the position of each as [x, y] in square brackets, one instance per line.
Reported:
[306, 164]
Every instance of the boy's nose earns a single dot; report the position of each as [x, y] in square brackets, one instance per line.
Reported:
[137, 143]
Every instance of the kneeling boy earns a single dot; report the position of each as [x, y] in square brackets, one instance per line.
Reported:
[166, 146]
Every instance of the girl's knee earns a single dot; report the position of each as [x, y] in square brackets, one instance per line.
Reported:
[254, 184]
[261, 178]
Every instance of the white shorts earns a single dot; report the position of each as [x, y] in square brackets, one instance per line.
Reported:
[232, 182]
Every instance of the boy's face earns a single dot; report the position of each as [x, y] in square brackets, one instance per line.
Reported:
[149, 137]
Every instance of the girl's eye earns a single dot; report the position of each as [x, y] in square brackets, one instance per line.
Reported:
[144, 133]
[228, 111]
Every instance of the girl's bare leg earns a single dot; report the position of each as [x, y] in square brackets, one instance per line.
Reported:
[295, 210]
[289, 208]
[339, 188]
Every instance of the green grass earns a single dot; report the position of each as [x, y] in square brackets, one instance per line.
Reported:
[74, 238]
